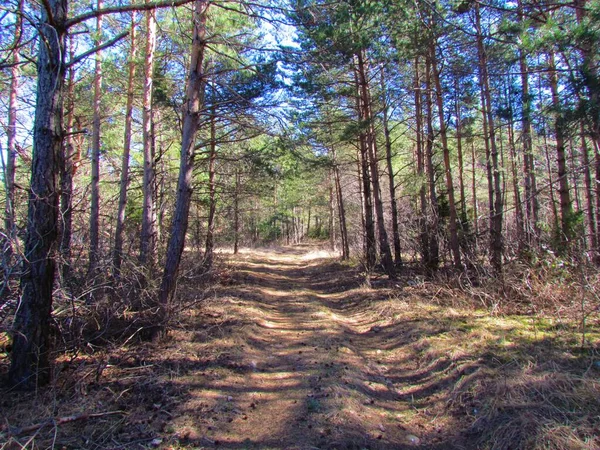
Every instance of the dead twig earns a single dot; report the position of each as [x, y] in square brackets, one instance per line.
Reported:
[55, 421]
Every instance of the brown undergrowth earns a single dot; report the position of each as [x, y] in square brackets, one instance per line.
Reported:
[289, 349]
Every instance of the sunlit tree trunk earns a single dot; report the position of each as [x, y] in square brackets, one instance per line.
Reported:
[459, 153]
[11, 132]
[371, 144]
[236, 212]
[454, 242]
[434, 251]
[193, 104]
[494, 177]
[519, 216]
[341, 209]
[30, 356]
[148, 234]
[370, 251]
[589, 196]
[67, 169]
[118, 245]
[531, 197]
[94, 253]
[212, 200]
[420, 157]
[566, 208]
[391, 175]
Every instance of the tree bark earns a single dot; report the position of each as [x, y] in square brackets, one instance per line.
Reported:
[124, 182]
[67, 169]
[391, 176]
[95, 186]
[30, 356]
[148, 234]
[236, 213]
[566, 208]
[212, 201]
[371, 144]
[370, 251]
[433, 228]
[11, 133]
[194, 102]
[454, 242]
[341, 208]
[589, 196]
[420, 156]
[495, 190]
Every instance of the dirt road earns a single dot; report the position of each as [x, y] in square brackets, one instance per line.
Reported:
[300, 357]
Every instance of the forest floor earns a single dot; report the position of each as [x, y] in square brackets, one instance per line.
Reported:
[290, 349]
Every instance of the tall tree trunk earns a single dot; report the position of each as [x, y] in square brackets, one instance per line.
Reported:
[118, 249]
[434, 249]
[551, 188]
[371, 144]
[566, 208]
[519, 216]
[454, 242]
[94, 253]
[212, 201]
[369, 224]
[331, 212]
[67, 170]
[30, 356]
[496, 204]
[420, 156]
[474, 194]
[236, 213]
[194, 102]
[148, 234]
[459, 153]
[391, 177]
[589, 196]
[341, 209]
[11, 133]
[531, 198]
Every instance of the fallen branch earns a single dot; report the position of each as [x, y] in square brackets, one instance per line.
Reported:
[17, 431]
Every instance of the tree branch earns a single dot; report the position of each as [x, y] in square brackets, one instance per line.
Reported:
[126, 8]
[96, 49]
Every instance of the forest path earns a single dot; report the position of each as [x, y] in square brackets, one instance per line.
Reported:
[297, 356]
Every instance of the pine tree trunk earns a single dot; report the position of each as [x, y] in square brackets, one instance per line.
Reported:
[30, 356]
[566, 208]
[66, 176]
[118, 248]
[94, 253]
[433, 229]
[212, 201]
[420, 157]
[495, 190]
[531, 198]
[370, 251]
[236, 213]
[11, 134]
[371, 144]
[519, 217]
[148, 234]
[459, 153]
[589, 196]
[391, 180]
[454, 242]
[194, 99]
[341, 210]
